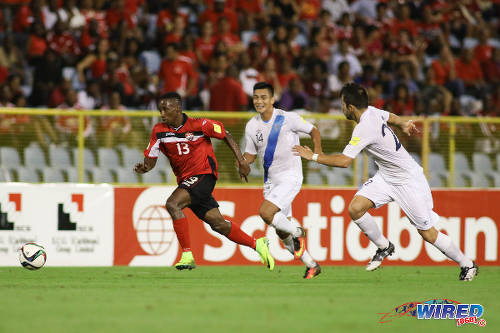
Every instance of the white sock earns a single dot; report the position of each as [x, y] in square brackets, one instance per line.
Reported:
[281, 223]
[367, 224]
[305, 258]
[444, 244]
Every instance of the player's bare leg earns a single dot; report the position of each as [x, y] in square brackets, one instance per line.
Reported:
[443, 243]
[272, 215]
[233, 232]
[312, 268]
[358, 210]
[178, 200]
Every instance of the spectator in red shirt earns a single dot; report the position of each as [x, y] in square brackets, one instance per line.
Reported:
[470, 72]
[227, 94]
[176, 74]
[483, 51]
[445, 72]
[402, 103]
[27, 14]
[205, 45]
[95, 61]
[219, 10]
[175, 34]
[403, 21]
[118, 13]
[231, 40]
[286, 73]
[63, 43]
[91, 36]
[491, 68]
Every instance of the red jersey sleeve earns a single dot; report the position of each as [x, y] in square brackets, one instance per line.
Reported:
[153, 149]
[213, 129]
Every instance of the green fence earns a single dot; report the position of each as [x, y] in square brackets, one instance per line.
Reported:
[54, 145]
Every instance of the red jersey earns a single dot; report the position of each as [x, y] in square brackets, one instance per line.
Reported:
[188, 148]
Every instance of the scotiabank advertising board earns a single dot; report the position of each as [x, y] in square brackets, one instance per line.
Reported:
[73, 222]
[144, 234]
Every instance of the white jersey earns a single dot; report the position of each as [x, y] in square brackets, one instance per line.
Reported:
[395, 165]
[273, 141]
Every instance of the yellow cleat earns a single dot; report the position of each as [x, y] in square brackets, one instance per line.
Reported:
[262, 248]
[186, 262]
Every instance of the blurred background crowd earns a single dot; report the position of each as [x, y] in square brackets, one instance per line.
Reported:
[427, 57]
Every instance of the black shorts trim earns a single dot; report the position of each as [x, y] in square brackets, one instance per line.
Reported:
[200, 188]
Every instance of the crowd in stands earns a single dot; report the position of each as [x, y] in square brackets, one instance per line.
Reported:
[426, 57]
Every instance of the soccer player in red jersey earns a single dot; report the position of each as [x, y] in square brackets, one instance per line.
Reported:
[186, 143]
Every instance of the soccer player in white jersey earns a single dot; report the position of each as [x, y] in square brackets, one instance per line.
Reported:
[399, 178]
[271, 134]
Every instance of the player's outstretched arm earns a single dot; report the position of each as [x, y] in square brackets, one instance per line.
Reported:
[316, 138]
[148, 164]
[243, 166]
[335, 160]
[407, 126]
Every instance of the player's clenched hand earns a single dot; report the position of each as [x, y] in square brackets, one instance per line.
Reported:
[303, 151]
[140, 168]
[409, 127]
[244, 169]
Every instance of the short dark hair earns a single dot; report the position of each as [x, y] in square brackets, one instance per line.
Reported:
[172, 95]
[354, 94]
[264, 85]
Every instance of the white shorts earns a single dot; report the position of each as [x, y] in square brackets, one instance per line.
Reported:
[414, 198]
[282, 192]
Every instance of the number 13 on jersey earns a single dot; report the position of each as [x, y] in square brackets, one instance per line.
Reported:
[182, 148]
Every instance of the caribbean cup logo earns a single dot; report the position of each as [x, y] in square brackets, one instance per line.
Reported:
[154, 228]
[438, 309]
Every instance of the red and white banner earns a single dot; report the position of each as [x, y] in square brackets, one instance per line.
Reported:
[73, 222]
[144, 233]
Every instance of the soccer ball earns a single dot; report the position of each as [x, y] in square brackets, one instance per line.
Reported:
[32, 256]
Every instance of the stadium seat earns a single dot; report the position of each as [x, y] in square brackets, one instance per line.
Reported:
[496, 179]
[25, 174]
[498, 162]
[482, 162]
[460, 179]
[336, 178]
[314, 178]
[479, 180]
[153, 176]
[100, 175]
[108, 158]
[131, 156]
[461, 162]
[437, 179]
[73, 175]
[436, 163]
[59, 157]
[52, 175]
[9, 157]
[88, 158]
[5, 175]
[126, 175]
[34, 157]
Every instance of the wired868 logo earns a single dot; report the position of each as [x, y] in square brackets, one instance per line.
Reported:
[438, 309]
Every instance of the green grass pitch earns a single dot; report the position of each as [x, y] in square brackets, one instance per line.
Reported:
[234, 299]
